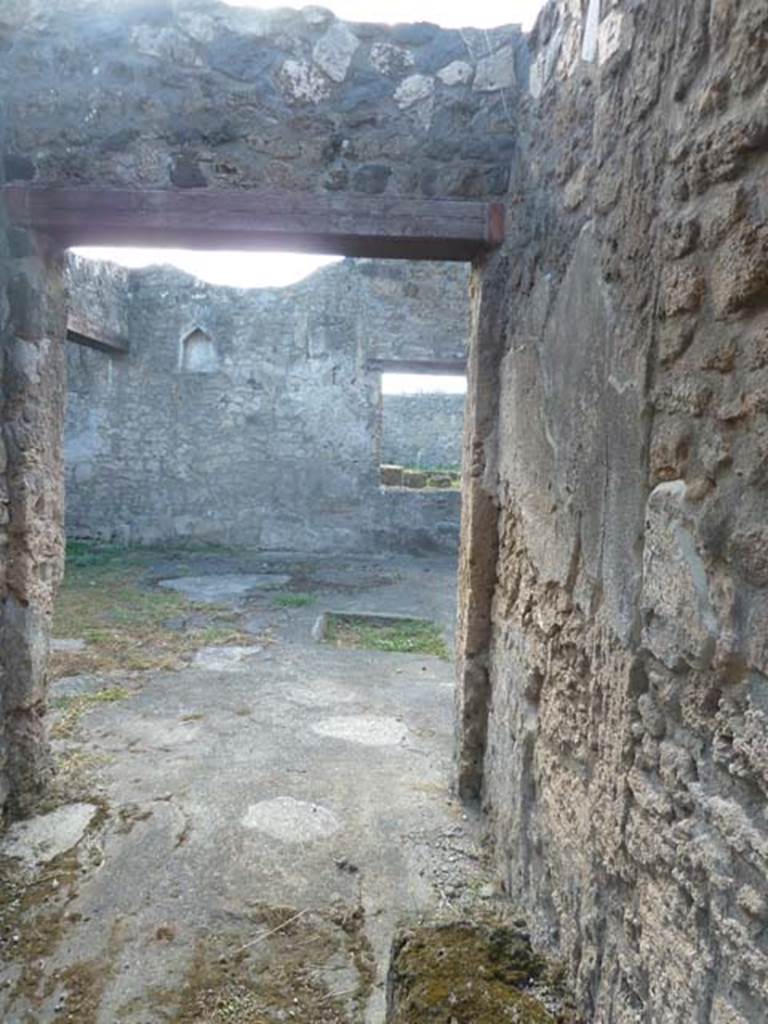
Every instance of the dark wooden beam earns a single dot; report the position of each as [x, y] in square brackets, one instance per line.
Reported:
[452, 367]
[83, 332]
[347, 225]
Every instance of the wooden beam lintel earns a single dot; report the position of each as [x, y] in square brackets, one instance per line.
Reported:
[348, 225]
[84, 332]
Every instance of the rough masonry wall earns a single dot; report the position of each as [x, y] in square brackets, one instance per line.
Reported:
[5, 343]
[626, 769]
[99, 298]
[198, 94]
[32, 376]
[424, 430]
[252, 416]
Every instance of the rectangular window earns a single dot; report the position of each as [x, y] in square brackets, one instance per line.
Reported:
[422, 424]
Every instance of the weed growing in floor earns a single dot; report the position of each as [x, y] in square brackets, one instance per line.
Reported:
[74, 708]
[292, 600]
[406, 636]
[420, 478]
[292, 975]
[108, 600]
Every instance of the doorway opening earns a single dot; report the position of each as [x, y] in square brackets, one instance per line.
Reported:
[222, 500]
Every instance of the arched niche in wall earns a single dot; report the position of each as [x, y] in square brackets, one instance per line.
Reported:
[198, 353]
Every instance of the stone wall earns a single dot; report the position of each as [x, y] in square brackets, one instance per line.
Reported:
[196, 94]
[424, 430]
[626, 766]
[252, 416]
[5, 343]
[32, 377]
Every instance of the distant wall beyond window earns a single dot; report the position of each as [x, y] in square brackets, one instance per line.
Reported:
[423, 430]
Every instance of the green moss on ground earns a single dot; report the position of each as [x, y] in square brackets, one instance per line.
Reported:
[73, 708]
[420, 478]
[34, 917]
[466, 973]
[299, 600]
[280, 973]
[405, 636]
[108, 599]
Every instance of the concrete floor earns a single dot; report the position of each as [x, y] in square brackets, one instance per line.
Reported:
[262, 821]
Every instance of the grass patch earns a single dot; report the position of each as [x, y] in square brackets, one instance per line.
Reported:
[107, 600]
[437, 469]
[402, 636]
[418, 478]
[74, 778]
[74, 708]
[291, 975]
[292, 600]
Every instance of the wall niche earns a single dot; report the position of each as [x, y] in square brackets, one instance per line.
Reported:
[198, 353]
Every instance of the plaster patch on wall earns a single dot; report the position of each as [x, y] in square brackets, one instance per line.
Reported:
[609, 36]
[589, 42]
[546, 61]
[496, 72]
[83, 443]
[680, 627]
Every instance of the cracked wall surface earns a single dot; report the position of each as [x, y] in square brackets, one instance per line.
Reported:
[269, 433]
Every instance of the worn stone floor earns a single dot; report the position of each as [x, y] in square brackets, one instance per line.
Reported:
[238, 838]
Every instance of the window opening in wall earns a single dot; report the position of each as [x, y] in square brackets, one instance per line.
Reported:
[422, 425]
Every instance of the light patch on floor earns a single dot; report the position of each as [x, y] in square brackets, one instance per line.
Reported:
[370, 730]
[39, 840]
[321, 693]
[225, 659]
[290, 820]
[224, 587]
[67, 646]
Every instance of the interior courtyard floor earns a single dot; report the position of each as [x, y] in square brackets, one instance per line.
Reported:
[237, 838]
